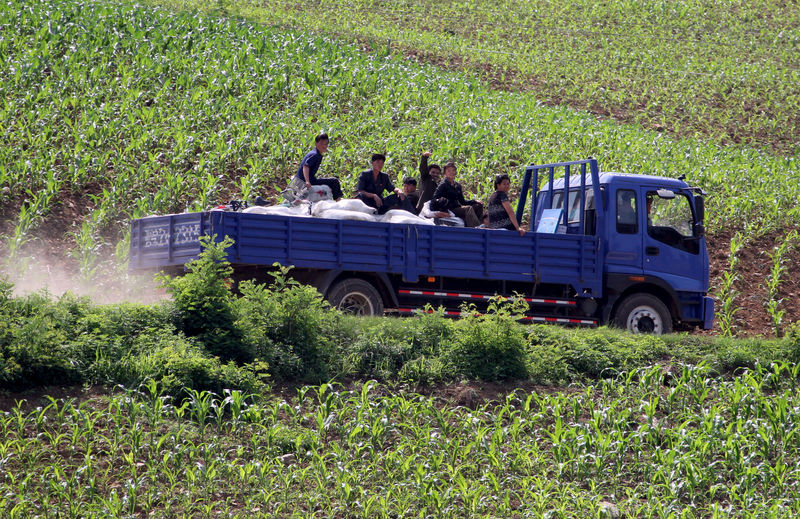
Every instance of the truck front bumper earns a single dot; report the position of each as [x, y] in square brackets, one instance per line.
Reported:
[708, 313]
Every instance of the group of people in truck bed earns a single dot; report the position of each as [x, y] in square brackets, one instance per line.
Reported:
[437, 196]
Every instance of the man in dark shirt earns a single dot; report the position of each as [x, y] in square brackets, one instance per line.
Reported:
[307, 170]
[471, 211]
[429, 175]
[373, 182]
[410, 190]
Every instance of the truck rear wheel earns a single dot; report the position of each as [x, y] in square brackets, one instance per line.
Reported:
[356, 296]
[643, 313]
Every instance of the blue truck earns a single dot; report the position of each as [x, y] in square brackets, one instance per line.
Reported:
[603, 248]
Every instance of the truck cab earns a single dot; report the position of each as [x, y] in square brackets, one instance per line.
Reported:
[652, 240]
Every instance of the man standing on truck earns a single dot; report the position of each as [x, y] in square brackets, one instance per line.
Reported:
[428, 179]
[373, 182]
[471, 211]
[307, 171]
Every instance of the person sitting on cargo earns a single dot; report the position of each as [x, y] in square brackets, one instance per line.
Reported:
[306, 175]
[501, 216]
[410, 190]
[471, 211]
[373, 182]
[429, 175]
[437, 211]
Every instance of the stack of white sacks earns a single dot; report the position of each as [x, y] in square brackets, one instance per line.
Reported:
[345, 209]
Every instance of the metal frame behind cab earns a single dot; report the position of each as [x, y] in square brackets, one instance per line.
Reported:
[532, 173]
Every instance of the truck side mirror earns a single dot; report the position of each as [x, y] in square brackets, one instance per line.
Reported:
[699, 229]
[700, 207]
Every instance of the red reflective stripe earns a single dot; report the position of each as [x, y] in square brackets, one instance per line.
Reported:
[486, 296]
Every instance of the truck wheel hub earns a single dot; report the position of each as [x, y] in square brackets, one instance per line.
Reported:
[644, 319]
[356, 303]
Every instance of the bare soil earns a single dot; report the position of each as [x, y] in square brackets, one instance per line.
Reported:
[753, 269]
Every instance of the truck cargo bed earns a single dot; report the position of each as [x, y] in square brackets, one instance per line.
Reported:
[409, 250]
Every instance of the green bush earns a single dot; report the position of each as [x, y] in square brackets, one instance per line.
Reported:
[605, 352]
[205, 302]
[424, 370]
[35, 334]
[490, 346]
[177, 365]
[128, 320]
[288, 325]
[382, 347]
[792, 342]
[546, 360]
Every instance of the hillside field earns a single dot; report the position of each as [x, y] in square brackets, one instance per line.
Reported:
[179, 399]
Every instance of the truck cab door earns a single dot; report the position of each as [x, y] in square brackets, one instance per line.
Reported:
[624, 254]
[671, 251]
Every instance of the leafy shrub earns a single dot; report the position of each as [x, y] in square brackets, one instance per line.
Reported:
[423, 370]
[176, 365]
[206, 303]
[607, 351]
[430, 329]
[128, 320]
[546, 360]
[382, 347]
[34, 337]
[289, 325]
[490, 346]
[792, 341]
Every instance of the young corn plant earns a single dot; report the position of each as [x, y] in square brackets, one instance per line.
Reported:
[727, 293]
[773, 303]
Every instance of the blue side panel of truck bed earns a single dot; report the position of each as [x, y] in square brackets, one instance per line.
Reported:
[407, 250]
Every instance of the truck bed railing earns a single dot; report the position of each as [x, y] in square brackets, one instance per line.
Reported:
[531, 180]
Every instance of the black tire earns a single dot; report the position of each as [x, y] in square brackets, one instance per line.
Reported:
[355, 296]
[643, 313]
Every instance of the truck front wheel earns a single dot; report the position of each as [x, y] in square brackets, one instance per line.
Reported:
[643, 313]
[356, 296]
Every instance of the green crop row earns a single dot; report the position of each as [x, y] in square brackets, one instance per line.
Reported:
[694, 67]
[130, 111]
[647, 443]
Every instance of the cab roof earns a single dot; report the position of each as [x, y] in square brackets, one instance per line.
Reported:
[623, 179]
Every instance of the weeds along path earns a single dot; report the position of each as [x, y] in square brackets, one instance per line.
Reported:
[114, 111]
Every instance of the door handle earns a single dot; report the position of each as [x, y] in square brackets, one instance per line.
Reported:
[651, 251]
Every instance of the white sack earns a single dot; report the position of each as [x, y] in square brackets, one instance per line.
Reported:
[402, 216]
[277, 209]
[339, 214]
